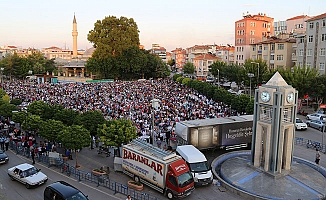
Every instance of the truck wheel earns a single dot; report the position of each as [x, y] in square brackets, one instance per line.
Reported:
[27, 186]
[169, 194]
[136, 178]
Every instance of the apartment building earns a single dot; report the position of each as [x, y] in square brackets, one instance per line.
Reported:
[312, 53]
[27, 52]
[250, 30]
[277, 52]
[159, 51]
[226, 54]
[202, 63]
[179, 55]
[7, 49]
[197, 50]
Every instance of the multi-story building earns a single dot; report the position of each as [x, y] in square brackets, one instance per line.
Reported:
[313, 52]
[226, 54]
[27, 52]
[277, 52]
[179, 55]
[160, 51]
[250, 30]
[297, 24]
[197, 50]
[7, 49]
[202, 63]
[56, 52]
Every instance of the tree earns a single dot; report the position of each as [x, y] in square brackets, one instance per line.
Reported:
[49, 129]
[111, 36]
[188, 68]
[19, 117]
[32, 123]
[74, 137]
[2, 92]
[37, 108]
[90, 120]
[6, 110]
[117, 132]
[67, 116]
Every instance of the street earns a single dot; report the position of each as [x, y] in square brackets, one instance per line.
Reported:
[89, 158]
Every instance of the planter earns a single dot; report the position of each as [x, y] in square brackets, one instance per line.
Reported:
[135, 185]
[97, 172]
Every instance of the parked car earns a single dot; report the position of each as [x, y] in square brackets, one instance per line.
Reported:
[232, 91]
[316, 116]
[300, 125]
[27, 174]
[318, 124]
[63, 190]
[3, 157]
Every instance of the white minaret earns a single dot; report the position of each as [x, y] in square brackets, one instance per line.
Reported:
[74, 36]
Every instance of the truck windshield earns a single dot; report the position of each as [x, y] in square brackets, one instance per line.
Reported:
[198, 167]
[185, 179]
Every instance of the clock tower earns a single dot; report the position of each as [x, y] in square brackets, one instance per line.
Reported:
[274, 125]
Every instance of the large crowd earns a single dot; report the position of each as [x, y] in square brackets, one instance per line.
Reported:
[125, 99]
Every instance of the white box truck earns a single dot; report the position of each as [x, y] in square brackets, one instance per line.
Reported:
[162, 170]
[197, 163]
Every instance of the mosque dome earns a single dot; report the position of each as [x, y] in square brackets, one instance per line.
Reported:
[88, 53]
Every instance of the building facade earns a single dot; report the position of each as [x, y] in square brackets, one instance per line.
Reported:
[250, 30]
[202, 64]
[277, 52]
[179, 55]
[310, 46]
[159, 51]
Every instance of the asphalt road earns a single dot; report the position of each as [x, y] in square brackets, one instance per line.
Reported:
[14, 190]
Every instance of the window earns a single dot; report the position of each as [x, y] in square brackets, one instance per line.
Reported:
[309, 53]
[302, 40]
[265, 57]
[265, 47]
[322, 52]
[252, 40]
[279, 57]
[300, 64]
[253, 57]
[272, 57]
[272, 47]
[323, 37]
[280, 46]
[173, 181]
[323, 23]
[311, 25]
[321, 66]
[309, 64]
[310, 38]
[252, 32]
[297, 26]
[254, 48]
[301, 52]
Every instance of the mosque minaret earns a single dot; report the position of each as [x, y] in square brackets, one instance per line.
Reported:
[74, 35]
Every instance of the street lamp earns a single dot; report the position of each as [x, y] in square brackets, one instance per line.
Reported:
[250, 76]
[258, 71]
[1, 69]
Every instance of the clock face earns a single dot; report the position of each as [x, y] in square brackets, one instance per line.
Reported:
[265, 96]
[290, 97]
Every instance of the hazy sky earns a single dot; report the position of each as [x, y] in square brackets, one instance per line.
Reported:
[170, 23]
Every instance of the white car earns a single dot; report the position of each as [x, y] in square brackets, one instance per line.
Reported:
[300, 125]
[316, 116]
[27, 174]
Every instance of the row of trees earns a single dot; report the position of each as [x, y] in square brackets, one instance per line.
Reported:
[73, 129]
[304, 79]
[18, 66]
[240, 103]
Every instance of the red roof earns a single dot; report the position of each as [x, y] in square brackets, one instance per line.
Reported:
[298, 17]
[206, 57]
[317, 17]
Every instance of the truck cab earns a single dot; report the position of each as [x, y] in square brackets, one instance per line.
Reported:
[197, 164]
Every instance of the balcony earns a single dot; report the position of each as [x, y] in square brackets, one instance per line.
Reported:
[271, 61]
[259, 51]
[294, 57]
[294, 45]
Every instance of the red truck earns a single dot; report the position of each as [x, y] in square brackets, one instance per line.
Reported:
[161, 170]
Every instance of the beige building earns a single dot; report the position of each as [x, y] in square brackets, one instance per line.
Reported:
[202, 64]
[277, 52]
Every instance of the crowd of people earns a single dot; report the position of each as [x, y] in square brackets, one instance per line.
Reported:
[126, 99]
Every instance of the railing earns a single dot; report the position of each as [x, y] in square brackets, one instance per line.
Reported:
[310, 144]
[80, 175]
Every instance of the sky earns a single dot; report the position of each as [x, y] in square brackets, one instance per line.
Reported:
[170, 23]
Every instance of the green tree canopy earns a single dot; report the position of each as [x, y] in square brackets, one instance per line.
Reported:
[74, 137]
[6, 110]
[117, 132]
[188, 68]
[67, 116]
[50, 129]
[32, 123]
[112, 35]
